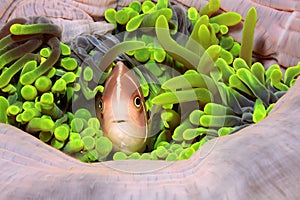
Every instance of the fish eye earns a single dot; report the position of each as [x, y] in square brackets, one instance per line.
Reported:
[100, 105]
[137, 102]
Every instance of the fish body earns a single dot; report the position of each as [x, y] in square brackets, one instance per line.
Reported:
[121, 111]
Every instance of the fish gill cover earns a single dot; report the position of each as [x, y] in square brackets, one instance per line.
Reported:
[197, 82]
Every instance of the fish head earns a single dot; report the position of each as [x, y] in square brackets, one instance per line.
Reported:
[121, 111]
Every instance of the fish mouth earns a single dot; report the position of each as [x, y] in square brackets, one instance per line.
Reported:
[119, 121]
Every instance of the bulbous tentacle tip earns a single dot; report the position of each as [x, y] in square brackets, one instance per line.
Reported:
[5, 30]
